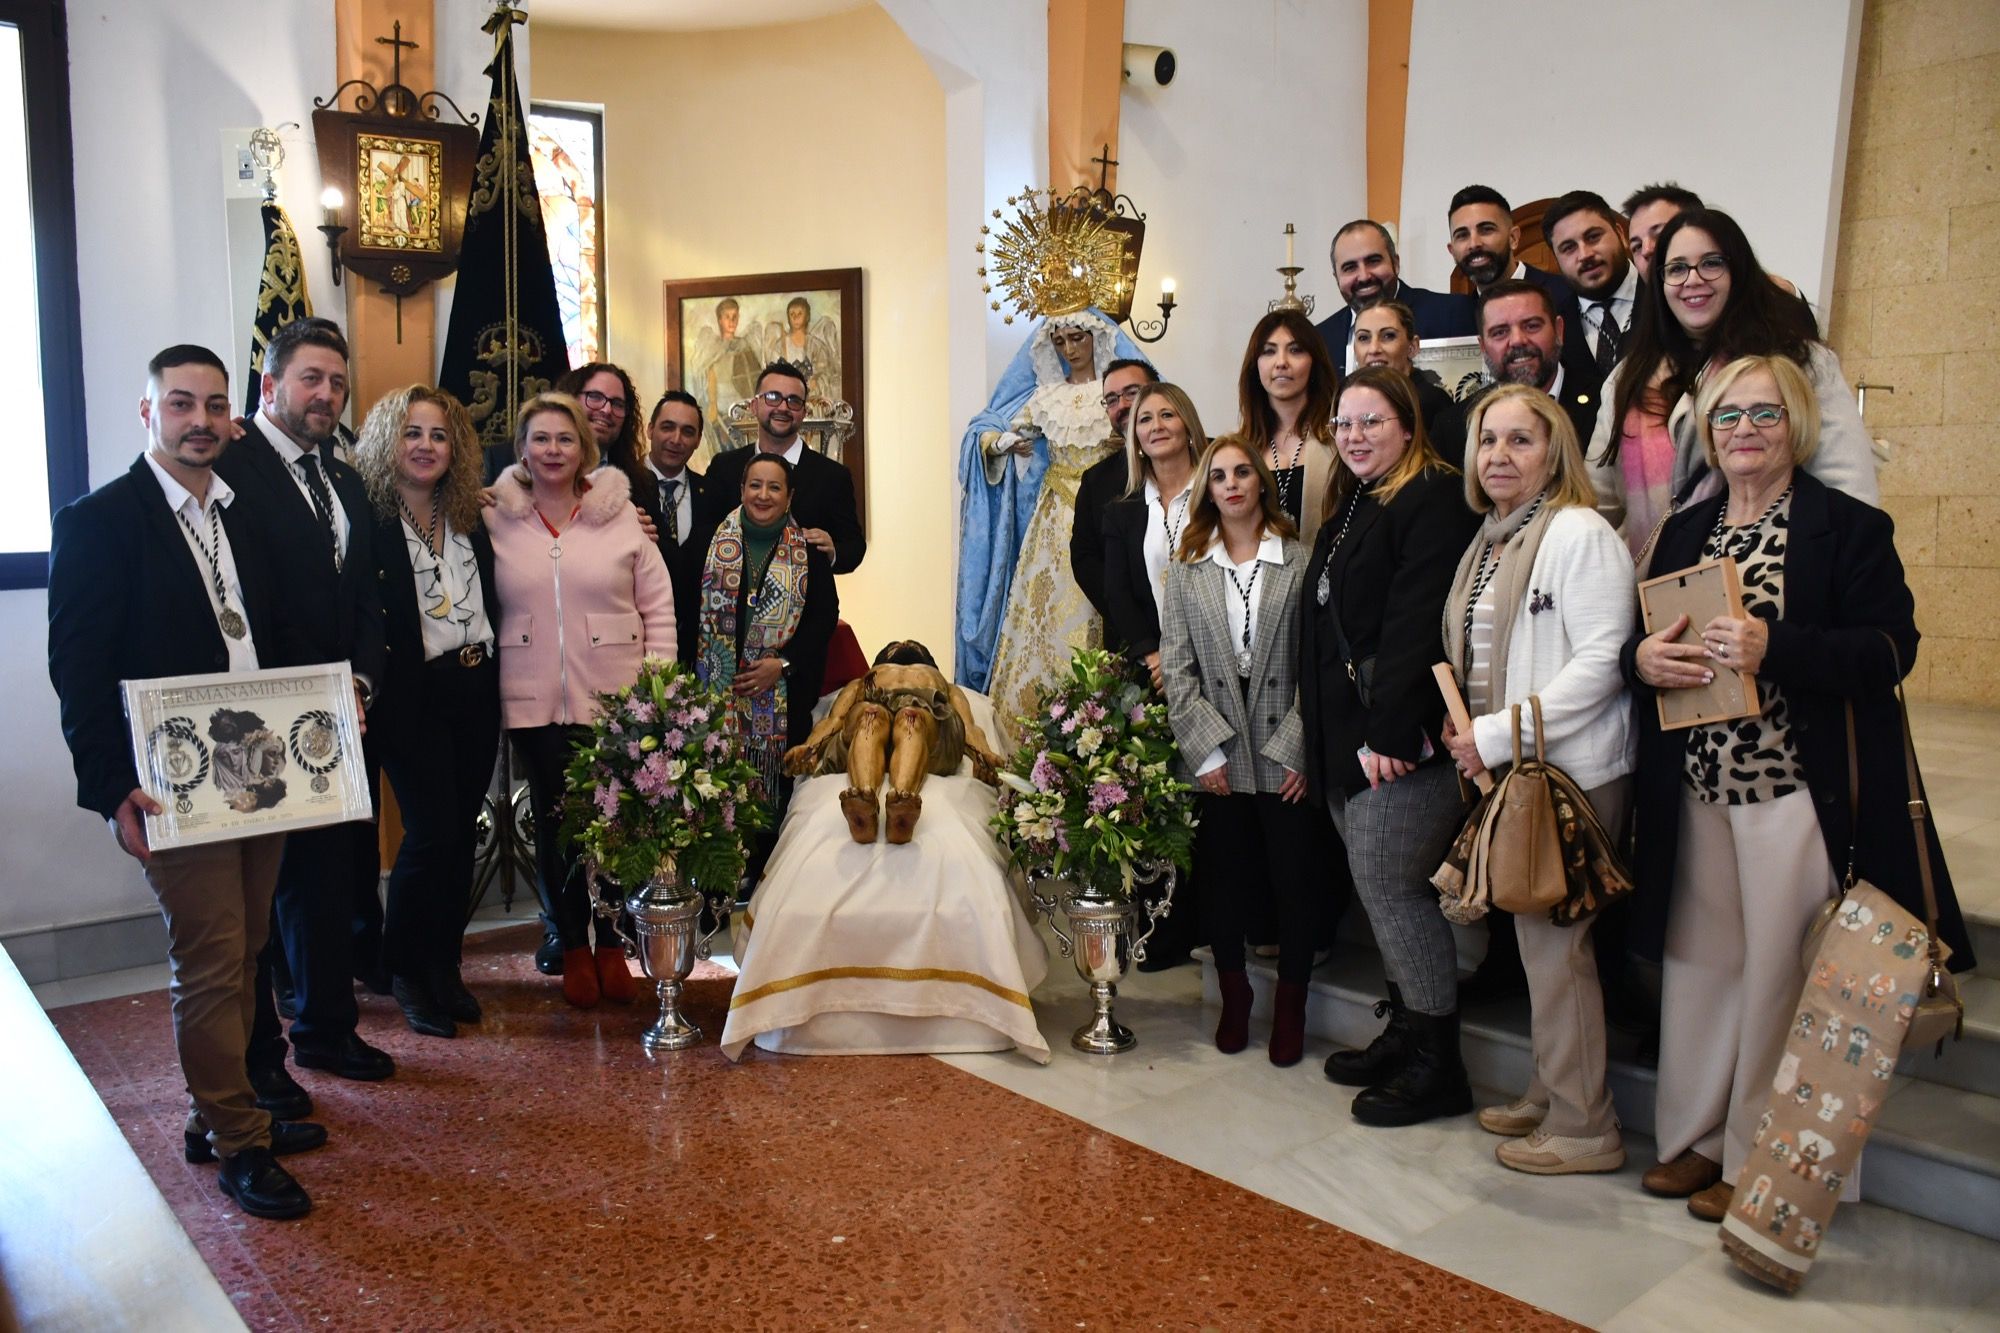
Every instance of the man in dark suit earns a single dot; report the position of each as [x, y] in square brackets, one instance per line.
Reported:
[1367, 269]
[1588, 237]
[686, 519]
[1104, 480]
[310, 515]
[157, 574]
[1481, 238]
[822, 490]
[1521, 337]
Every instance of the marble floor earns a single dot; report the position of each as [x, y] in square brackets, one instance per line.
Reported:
[1593, 1249]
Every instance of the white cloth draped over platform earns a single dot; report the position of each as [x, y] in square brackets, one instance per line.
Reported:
[874, 949]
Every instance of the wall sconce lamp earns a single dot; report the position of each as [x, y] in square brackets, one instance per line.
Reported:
[330, 202]
[1152, 330]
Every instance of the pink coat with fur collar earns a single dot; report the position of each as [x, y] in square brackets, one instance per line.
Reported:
[577, 623]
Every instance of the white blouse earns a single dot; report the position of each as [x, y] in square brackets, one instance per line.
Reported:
[1164, 527]
[451, 605]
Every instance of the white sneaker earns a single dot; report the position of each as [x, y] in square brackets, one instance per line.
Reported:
[1542, 1154]
[1512, 1120]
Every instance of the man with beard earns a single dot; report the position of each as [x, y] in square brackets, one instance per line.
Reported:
[1105, 480]
[822, 490]
[1520, 336]
[1588, 237]
[1481, 238]
[311, 516]
[157, 573]
[1367, 270]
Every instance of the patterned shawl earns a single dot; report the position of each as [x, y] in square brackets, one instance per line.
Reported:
[774, 608]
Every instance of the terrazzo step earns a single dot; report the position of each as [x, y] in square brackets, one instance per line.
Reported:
[1935, 1151]
[1985, 932]
[1971, 1063]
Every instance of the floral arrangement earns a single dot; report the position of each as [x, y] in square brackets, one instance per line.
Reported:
[663, 782]
[1091, 795]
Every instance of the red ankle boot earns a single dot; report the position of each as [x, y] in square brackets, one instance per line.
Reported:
[1288, 1024]
[614, 978]
[579, 979]
[1232, 1031]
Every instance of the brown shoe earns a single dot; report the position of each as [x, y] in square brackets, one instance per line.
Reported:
[863, 814]
[904, 807]
[1690, 1173]
[1712, 1204]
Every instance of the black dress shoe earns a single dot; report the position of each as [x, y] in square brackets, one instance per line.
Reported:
[353, 1058]
[279, 1093]
[287, 1137]
[261, 1187]
[549, 958]
[421, 1010]
[448, 989]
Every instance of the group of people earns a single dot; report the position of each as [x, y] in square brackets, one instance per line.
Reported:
[1289, 586]
[464, 604]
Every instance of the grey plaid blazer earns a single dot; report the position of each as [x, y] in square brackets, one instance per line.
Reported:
[1261, 734]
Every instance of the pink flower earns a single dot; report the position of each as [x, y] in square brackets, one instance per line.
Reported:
[606, 798]
[632, 751]
[651, 779]
[1107, 795]
[1058, 708]
[1069, 725]
[1043, 774]
[729, 815]
[675, 739]
[643, 710]
[1092, 711]
[1138, 714]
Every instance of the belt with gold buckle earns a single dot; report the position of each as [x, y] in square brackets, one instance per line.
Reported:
[472, 654]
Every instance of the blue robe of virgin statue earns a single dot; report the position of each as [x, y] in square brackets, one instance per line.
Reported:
[993, 518]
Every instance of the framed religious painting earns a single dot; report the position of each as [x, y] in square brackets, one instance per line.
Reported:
[405, 183]
[237, 754]
[721, 331]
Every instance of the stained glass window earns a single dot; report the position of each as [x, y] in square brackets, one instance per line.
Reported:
[566, 144]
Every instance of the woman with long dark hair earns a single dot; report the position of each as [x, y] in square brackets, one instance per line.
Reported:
[1284, 396]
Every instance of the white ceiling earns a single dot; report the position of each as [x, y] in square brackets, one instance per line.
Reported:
[684, 15]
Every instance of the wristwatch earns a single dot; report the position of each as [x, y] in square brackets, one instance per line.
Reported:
[784, 663]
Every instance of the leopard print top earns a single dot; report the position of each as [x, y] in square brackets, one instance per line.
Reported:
[1751, 759]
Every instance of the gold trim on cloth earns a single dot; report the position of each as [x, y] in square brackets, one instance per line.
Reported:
[880, 974]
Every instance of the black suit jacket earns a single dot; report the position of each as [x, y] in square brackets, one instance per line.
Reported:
[1103, 482]
[1131, 615]
[1389, 583]
[1439, 315]
[1844, 592]
[1579, 398]
[1444, 419]
[129, 601]
[822, 497]
[1576, 357]
[393, 716]
[328, 615]
[685, 557]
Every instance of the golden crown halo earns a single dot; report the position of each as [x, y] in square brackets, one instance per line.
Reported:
[1057, 255]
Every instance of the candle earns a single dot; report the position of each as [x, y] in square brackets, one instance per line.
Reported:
[331, 199]
[1167, 290]
[1288, 246]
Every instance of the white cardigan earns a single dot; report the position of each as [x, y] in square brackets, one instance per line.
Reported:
[1567, 652]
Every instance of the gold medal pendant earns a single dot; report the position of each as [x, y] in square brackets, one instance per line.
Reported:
[232, 623]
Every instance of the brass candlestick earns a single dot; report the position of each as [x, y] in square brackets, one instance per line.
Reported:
[1291, 299]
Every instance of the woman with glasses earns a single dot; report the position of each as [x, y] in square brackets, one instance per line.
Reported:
[1284, 396]
[1394, 526]
[439, 723]
[1744, 826]
[612, 406]
[1706, 302]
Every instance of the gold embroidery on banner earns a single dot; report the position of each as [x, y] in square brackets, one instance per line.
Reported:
[770, 988]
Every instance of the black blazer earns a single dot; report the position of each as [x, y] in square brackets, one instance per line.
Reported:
[394, 715]
[1103, 482]
[685, 557]
[1439, 315]
[129, 601]
[1444, 419]
[1131, 615]
[1390, 579]
[822, 497]
[328, 616]
[1580, 399]
[1844, 588]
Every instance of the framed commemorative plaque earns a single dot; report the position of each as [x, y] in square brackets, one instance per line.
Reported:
[244, 753]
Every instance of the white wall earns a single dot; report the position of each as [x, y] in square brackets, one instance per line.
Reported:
[1745, 101]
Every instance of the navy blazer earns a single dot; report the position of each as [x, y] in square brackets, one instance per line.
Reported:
[1844, 592]
[328, 615]
[129, 601]
[1439, 315]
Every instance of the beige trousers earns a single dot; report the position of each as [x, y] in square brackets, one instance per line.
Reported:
[216, 899]
[1567, 1004]
[1747, 882]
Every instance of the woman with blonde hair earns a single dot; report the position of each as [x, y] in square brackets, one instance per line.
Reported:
[587, 597]
[438, 723]
[1143, 528]
[1541, 606]
[1229, 652]
[1395, 524]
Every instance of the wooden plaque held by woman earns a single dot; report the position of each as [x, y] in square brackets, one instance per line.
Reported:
[1700, 593]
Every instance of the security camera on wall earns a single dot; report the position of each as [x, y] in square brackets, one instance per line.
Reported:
[1151, 65]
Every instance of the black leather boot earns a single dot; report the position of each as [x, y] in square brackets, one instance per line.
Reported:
[1383, 1058]
[421, 1009]
[1430, 1085]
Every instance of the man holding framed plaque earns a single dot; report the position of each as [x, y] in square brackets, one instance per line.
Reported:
[157, 573]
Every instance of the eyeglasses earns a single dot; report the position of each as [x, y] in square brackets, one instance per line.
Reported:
[1367, 425]
[774, 398]
[604, 402]
[1124, 395]
[1710, 267]
[1762, 415]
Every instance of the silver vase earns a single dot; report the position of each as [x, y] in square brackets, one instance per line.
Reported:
[1103, 940]
[666, 917]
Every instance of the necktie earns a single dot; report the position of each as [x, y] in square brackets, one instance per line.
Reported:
[670, 509]
[322, 500]
[1607, 335]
